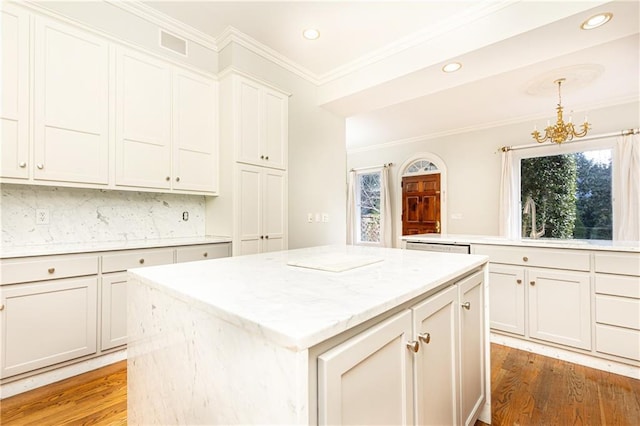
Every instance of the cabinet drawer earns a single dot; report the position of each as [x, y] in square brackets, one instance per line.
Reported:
[535, 256]
[620, 311]
[618, 341]
[618, 263]
[40, 268]
[618, 286]
[201, 252]
[123, 260]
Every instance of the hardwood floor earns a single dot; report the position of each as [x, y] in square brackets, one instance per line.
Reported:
[528, 389]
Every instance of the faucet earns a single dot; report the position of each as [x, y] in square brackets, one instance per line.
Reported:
[530, 207]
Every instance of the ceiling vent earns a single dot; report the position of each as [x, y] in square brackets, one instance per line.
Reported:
[173, 43]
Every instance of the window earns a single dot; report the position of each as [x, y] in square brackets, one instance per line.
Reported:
[368, 185]
[569, 191]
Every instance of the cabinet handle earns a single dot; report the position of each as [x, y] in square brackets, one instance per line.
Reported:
[466, 305]
[266, 236]
[519, 281]
[413, 346]
[51, 270]
[532, 282]
[266, 158]
[262, 157]
[262, 237]
[167, 178]
[525, 258]
[22, 165]
[205, 254]
[177, 179]
[141, 261]
[40, 166]
[424, 337]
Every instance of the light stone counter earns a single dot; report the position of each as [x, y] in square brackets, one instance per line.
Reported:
[11, 251]
[606, 245]
[227, 341]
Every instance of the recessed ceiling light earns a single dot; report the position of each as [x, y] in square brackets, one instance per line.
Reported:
[311, 34]
[452, 67]
[596, 21]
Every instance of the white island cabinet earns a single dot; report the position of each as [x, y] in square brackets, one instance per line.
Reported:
[325, 335]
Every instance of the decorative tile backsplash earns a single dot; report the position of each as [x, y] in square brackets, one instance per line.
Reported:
[93, 215]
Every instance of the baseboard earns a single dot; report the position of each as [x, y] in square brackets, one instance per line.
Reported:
[48, 377]
[565, 355]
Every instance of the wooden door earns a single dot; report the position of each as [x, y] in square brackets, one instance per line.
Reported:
[421, 204]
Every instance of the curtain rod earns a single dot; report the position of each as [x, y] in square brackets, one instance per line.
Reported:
[585, 139]
[371, 167]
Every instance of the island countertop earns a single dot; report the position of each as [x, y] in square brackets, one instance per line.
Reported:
[298, 307]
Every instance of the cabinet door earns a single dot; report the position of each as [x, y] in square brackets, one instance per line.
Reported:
[436, 323]
[274, 197]
[71, 104]
[14, 109]
[560, 307]
[143, 121]
[369, 378]
[195, 132]
[472, 351]
[114, 310]
[47, 322]
[249, 220]
[506, 298]
[275, 128]
[249, 121]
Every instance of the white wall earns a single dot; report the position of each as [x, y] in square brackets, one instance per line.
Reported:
[317, 153]
[473, 165]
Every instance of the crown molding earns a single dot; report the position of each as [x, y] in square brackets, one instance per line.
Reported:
[150, 14]
[490, 125]
[233, 35]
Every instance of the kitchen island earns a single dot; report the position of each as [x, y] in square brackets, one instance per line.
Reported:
[266, 338]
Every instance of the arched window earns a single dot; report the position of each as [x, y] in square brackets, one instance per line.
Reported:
[420, 167]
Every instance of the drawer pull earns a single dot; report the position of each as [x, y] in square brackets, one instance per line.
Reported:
[51, 270]
[178, 179]
[424, 337]
[22, 165]
[526, 259]
[519, 281]
[40, 166]
[205, 254]
[532, 282]
[413, 346]
[167, 178]
[466, 305]
[141, 261]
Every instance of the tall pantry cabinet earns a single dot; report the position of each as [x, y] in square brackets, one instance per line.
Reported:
[252, 206]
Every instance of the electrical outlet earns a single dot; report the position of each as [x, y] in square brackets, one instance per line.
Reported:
[185, 216]
[42, 217]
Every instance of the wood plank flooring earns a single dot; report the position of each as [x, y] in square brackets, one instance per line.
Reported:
[528, 389]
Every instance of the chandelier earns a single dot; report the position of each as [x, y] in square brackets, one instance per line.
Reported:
[561, 131]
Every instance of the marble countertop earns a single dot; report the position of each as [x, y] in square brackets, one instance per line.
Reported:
[10, 251]
[606, 245]
[300, 306]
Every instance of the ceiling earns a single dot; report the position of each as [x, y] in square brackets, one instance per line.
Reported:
[379, 63]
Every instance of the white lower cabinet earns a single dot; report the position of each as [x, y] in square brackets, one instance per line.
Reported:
[47, 322]
[114, 310]
[506, 298]
[425, 365]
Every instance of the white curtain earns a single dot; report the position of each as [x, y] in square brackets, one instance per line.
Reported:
[386, 239]
[509, 202]
[351, 207]
[626, 181]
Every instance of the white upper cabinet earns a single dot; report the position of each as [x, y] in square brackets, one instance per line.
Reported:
[195, 132]
[14, 112]
[262, 124]
[143, 121]
[71, 100]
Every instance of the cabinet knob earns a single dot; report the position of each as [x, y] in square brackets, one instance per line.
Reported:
[177, 179]
[466, 305]
[413, 346]
[519, 281]
[1, 307]
[525, 258]
[40, 166]
[51, 270]
[262, 157]
[532, 282]
[205, 254]
[167, 178]
[266, 158]
[141, 261]
[424, 337]
[22, 165]
[262, 237]
[266, 236]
